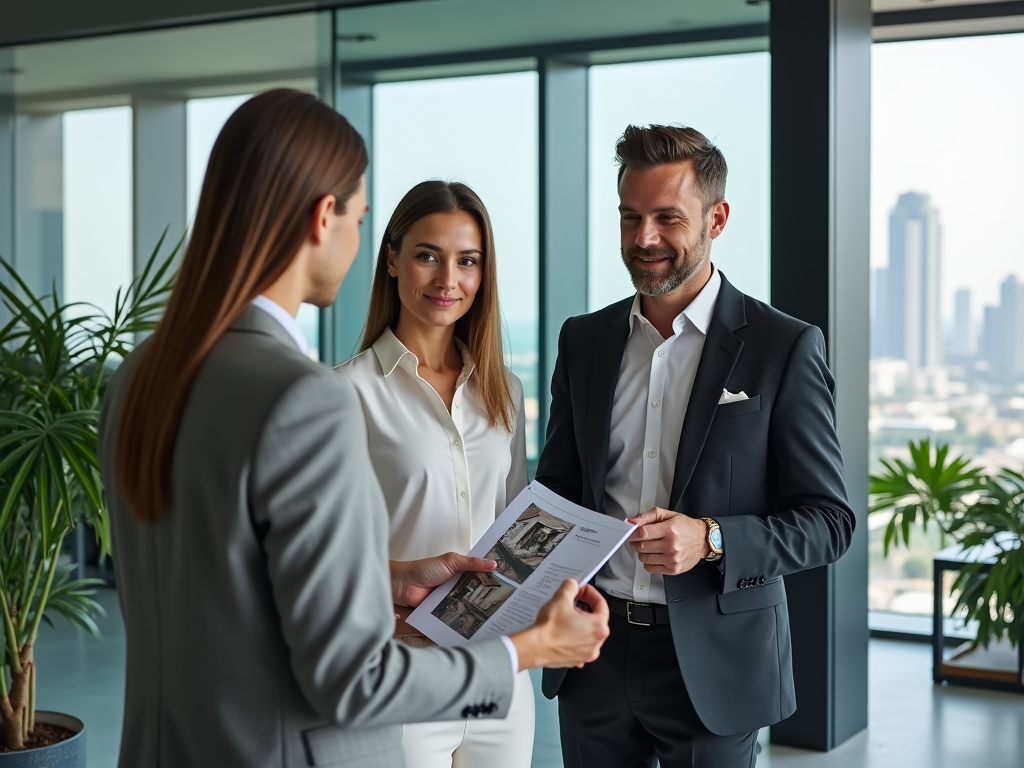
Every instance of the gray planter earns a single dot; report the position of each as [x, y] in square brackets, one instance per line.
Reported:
[66, 754]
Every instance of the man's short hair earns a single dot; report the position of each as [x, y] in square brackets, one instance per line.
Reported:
[648, 146]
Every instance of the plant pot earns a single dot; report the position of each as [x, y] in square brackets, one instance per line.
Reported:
[69, 753]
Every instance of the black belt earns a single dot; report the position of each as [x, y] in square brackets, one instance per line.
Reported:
[639, 614]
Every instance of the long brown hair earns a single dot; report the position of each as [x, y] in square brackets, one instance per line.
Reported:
[480, 328]
[275, 158]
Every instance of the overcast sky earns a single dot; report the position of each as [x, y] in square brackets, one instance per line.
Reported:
[948, 121]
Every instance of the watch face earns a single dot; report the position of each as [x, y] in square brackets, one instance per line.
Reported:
[716, 538]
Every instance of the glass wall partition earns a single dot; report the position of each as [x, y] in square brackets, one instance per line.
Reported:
[204, 117]
[482, 131]
[109, 136]
[947, 254]
[726, 98]
[97, 204]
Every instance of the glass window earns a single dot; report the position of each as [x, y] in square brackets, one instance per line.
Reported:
[726, 99]
[203, 120]
[481, 131]
[947, 239]
[97, 176]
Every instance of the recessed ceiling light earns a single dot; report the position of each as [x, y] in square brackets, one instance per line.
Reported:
[680, 22]
[758, 2]
[13, 71]
[361, 38]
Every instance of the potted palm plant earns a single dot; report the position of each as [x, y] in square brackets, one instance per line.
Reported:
[978, 512]
[55, 362]
[992, 592]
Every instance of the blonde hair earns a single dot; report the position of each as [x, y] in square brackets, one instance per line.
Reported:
[480, 328]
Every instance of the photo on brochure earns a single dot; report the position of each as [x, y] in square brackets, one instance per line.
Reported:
[472, 601]
[530, 539]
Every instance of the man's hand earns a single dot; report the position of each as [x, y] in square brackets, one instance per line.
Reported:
[413, 580]
[564, 635]
[668, 542]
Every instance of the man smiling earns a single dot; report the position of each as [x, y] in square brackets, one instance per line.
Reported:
[707, 417]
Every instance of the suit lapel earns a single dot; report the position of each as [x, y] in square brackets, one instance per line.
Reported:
[609, 346]
[722, 349]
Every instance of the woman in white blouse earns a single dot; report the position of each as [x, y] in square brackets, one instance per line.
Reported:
[445, 423]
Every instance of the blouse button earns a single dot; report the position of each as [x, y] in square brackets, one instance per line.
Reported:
[655, 403]
[456, 405]
[652, 454]
[463, 494]
[647, 504]
[661, 353]
[456, 443]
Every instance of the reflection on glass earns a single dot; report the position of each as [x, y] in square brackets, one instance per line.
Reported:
[726, 99]
[97, 178]
[204, 119]
[947, 341]
[481, 131]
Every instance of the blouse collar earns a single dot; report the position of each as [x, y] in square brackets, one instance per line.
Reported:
[392, 353]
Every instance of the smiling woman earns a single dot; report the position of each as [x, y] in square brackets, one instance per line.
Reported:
[445, 421]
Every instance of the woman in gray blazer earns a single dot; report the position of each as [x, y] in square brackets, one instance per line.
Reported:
[249, 530]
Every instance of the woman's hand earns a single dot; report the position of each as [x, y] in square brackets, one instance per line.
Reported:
[413, 580]
[564, 635]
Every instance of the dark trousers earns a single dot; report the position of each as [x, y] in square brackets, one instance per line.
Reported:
[630, 708]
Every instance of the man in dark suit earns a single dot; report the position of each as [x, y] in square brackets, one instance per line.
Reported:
[708, 418]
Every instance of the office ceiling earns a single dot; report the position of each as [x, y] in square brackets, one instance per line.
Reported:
[206, 58]
[232, 56]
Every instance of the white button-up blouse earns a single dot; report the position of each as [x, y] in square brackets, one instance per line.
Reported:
[445, 476]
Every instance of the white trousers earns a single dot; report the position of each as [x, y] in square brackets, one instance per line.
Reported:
[476, 743]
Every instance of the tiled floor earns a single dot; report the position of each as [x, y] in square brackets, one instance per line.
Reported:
[913, 723]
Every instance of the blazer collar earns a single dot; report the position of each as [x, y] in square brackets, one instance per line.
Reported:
[255, 320]
[730, 309]
[722, 349]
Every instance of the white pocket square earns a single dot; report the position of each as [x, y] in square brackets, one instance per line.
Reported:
[732, 397]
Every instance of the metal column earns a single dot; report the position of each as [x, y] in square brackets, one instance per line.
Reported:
[563, 95]
[158, 168]
[821, 98]
[341, 326]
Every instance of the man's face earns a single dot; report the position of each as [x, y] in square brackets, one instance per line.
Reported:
[663, 226]
[333, 258]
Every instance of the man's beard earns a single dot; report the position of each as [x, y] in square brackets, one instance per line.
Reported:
[684, 265]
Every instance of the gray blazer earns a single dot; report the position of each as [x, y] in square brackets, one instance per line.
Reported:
[258, 609]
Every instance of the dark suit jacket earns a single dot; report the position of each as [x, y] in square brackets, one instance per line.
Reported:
[769, 469]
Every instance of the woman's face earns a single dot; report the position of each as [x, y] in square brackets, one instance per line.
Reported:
[439, 268]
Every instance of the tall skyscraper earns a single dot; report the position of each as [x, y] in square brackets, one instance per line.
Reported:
[991, 347]
[907, 311]
[1011, 309]
[963, 325]
[1002, 338]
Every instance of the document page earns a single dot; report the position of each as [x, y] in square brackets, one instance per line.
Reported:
[539, 541]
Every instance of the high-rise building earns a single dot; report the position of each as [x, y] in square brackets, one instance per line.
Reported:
[907, 309]
[1011, 309]
[1002, 338]
[991, 346]
[962, 343]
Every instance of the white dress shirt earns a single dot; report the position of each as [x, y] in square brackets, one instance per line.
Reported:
[655, 380]
[445, 476]
[284, 317]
